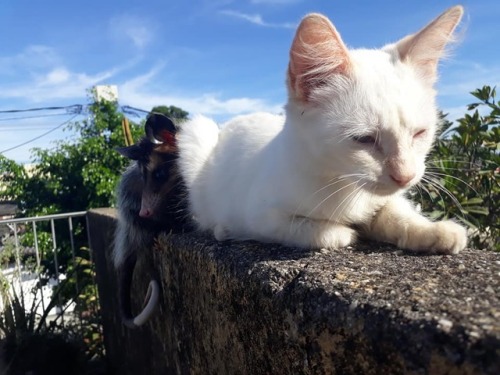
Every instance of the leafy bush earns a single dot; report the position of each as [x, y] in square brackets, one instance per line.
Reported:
[463, 178]
[34, 340]
[31, 341]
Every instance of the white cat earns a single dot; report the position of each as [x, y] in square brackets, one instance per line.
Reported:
[358, 126]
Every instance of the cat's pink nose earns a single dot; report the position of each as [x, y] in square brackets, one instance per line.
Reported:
[403, 179]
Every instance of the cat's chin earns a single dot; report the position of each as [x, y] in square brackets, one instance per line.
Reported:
[383, 190]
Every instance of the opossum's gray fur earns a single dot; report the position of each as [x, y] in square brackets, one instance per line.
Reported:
[133, 234]
[165, 194]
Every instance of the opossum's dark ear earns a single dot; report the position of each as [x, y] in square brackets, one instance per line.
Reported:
[160, 129]
[133, 152]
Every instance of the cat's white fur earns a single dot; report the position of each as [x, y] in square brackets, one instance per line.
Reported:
[357, 130]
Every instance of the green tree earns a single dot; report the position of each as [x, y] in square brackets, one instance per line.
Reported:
[172, 111]
[74, 175]
[82, 174]
[463, 178]
[13, 178]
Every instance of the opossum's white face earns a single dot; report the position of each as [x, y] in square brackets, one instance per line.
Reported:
[156, 156]
[160, 177]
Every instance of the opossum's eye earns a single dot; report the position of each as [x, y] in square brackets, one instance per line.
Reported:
[160, 175]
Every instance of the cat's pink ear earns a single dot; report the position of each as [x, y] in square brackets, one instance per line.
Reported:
[317, 52]
[424, 49]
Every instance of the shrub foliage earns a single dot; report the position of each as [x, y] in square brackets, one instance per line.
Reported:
[463, 177]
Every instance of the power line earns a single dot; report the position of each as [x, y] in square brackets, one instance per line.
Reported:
[75, 108]
[131, 110]
[42, 135]
[31, 117]
[22, 128]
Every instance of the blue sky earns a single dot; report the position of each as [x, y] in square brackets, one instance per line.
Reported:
[216, 57]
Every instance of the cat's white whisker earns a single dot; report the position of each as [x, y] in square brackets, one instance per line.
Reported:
[438, 191]
[329, 196]
[452, 161]
[347, 197]
[439, 187]
[353, 199]
[419, 188]
[440, 168]
[307, 216]
[438, 175]
[333, 181]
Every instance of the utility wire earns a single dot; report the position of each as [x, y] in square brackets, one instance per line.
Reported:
[30, 117]
[41, 135]
[131, 110]
[22, 128]
[75, 108]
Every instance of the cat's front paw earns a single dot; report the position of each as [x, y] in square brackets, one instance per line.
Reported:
[336, 237]
[449, 237]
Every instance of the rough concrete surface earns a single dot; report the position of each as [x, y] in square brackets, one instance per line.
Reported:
[251, 308]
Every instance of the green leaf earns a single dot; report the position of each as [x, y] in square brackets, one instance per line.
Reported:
[472, 106]
[475, 200]
[478, 210]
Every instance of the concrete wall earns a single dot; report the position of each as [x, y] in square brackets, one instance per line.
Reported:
[249, 308]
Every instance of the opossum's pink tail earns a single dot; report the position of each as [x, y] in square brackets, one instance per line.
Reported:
[150, 301]
[196, 140]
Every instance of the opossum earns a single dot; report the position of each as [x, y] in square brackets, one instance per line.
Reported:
[150, 200]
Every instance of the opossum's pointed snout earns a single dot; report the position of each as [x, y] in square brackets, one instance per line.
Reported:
[149, 203]
[145, 213]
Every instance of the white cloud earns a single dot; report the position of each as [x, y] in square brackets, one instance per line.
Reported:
[459, 78]
[58, 83]
[61, 83]
[137, 30]
[47, 78]
[56, 76]
[136, 93]
[462, 77]
[37, 74]
[33, 57]
[256, 19]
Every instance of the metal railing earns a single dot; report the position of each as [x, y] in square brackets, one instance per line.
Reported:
[23, 276]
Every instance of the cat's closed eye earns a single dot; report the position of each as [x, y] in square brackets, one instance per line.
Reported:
[365, 139]
[420, 133]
